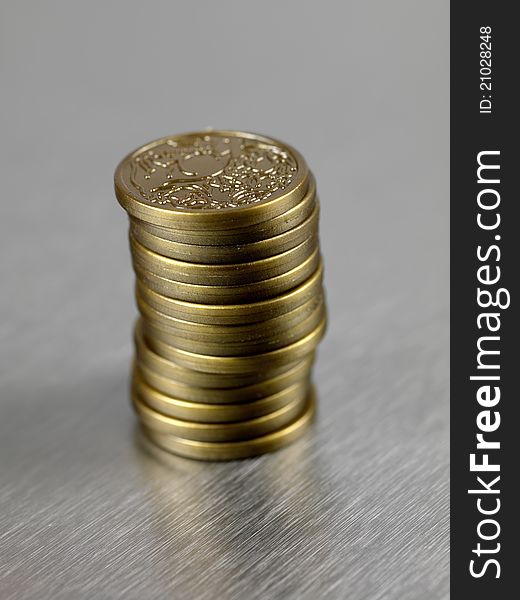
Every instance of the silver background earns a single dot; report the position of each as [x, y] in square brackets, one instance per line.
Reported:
[359, 508]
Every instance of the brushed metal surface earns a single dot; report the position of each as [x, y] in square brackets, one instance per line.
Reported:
[358, 509]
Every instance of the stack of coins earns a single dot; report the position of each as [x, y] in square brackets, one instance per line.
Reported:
[224, 244]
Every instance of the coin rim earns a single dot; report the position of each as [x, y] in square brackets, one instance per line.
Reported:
[220, 451]
[174, 370]
[229, 314]
[226, 254]
[240, 346]
[227, 274]
[212, 412]
[265, 289]
[280, 224]
[241, 364]
[218, 432]
[247, 393]
[210, 332]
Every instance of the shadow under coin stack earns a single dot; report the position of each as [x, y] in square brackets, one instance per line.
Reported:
[224, 243]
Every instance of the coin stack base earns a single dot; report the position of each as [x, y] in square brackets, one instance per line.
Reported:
[224, 245]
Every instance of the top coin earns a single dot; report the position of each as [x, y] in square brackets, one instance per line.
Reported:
[211, 179]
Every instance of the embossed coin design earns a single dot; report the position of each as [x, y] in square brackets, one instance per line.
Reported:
[225, 248]
[221, 179]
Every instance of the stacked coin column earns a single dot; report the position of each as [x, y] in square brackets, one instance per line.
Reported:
[224, 244]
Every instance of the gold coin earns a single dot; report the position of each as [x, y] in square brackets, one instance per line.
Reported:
[245, 235]
[240, 346]
[221, 274]
[240, 364]
[176, 372]
[225, 248]
[211, 180]
[218, 432]
[246, 393]
[234, 314]
[237, 450]
[225, 255]
[228, 333]
[217, 413]
[220, 294]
